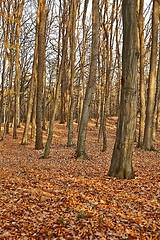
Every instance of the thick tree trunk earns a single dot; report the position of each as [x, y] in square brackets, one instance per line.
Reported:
[121, 162]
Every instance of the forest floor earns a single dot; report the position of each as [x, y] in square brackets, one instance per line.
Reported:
[67, 198]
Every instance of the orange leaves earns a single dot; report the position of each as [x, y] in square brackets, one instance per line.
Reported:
[64, 198]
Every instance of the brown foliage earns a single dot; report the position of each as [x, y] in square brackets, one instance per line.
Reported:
[66, 198]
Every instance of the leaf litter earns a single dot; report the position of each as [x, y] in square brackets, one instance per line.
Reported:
[67, 198]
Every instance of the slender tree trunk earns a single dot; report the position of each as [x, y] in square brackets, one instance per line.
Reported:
[82, 65]
[33, 116]
[158, 95]
[64, 74]
[63, 97]
[142, 80]
[103, 89]
[2, 91]
[8, 109]
[8, 29]
[40, 73]
[118, 39]
[148, 141]
[121, 162]
[156, 110]
[32, 86]
[53, 114]
[106, 96]
[55, 102]
[100, 133]
[98, 97]
[81, 144]
[72, 67]
[106, 69]
[44, 105]
[17, 77]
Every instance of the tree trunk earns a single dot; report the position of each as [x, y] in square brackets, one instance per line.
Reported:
[118, 55]
[55, 102]
[64, 72]
[32, 86]
[81, 144]
[121, 162]
[142, 80]
[17, 16]
[8, 31]
[8, 109]
[44, 105]
[158, 95]
[82, 65]
[2, 91]
[33, 116]
[72, 70]
[40, 73]
[148, 141]
[156, 106]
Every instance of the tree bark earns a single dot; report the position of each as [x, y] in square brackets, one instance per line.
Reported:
[55, 102]
[32, 86]
[82, 65]
[18, 15]
[142, 79]
[40, 73]
[81, 144]
[72, 70]
[2, 91]
[156, 106]
[148, 140]
[121, 162]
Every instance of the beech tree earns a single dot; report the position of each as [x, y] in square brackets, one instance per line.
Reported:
[142, 78]
[8, 40]
[151, 94]
[40, 71]
[69, 68]
[73, 11]
[82, 63]
[81, 144]
[18, 14]
[158, 92]
[121, 162]
[57, 91]
[32, 85]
